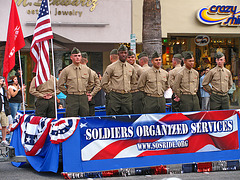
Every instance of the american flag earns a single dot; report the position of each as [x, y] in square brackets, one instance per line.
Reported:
[62, 129]
[34, 131]
[40, 44]
[107, 141]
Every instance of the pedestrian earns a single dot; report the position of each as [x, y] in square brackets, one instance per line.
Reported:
[45, 93]
[186, 85]
[176, 62]
[73, 82]
[205, 96]
[143, 60]
[231, 91]
[137, 96]
[221, 81]
[116, 81]
[61, 98]
[4, 111]
[153, 82]
[15, 95]
[92, 89]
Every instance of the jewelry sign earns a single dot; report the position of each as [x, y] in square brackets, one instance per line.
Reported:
[226, 15]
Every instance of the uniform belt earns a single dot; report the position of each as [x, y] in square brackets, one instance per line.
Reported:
[133, 91]
[77, 93]
[220, 94]
[120, 91]
[154, 95]
[186, 93]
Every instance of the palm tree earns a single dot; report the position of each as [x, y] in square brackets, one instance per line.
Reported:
[152, 32]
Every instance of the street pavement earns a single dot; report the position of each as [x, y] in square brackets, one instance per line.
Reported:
[9, 172]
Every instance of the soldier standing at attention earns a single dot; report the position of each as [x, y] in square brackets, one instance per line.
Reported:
[176, 62]
[45, 103]
[143, 60]
[116, 82]
[221, 81]
[154, 82]
[92, 89]
[73, 82]
[137, 96]
[186, 85]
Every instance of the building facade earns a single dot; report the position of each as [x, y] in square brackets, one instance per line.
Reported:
[93, 26]
[203, 27]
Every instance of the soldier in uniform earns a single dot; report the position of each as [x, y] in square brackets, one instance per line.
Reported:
[116, 82]
[186, 85]
[114, 55]
[137, 96]
[221, 81]
[73, 82]
[143, 60]
[92, 89]
[113, 58]
[153, 82]
[176, 62]
[45, 102]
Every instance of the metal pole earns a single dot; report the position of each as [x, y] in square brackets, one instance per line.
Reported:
[55, 94]
[20, 66]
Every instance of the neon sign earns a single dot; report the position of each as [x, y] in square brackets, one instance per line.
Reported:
[215, 14]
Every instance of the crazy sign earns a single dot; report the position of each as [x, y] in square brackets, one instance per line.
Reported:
[226, 15]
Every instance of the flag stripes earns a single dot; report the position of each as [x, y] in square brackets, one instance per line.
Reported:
[40, 44]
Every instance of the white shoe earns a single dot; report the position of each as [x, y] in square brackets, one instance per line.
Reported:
[4, 143]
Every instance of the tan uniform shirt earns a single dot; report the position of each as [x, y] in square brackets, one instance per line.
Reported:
[220, 79]
[139, 70]
[172, 74]
[186, 82]
[118, 76]
[96, 86]
[146, 67]
[43, 89]
[75, 79]
[154, 82]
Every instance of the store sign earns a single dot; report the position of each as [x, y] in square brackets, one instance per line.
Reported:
[57, 11]
[202, 40]
[227, 15]
[133, 43]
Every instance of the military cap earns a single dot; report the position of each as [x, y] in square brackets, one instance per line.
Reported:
[142, 54]
[122, 48]
[130, 53]
[155, 55]
[179, 56]
[75, 51]
[84, 55]
[219, 55]
[187, 54]
[114, 51]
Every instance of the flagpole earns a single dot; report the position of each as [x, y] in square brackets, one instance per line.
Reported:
[20, 66]
[54, 74]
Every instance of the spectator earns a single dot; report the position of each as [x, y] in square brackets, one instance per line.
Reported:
[61, 98]
[231, 91]
[15, 95]
[205, 96]
[4, 111]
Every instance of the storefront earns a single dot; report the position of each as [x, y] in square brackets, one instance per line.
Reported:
[91, 25]
[202, 27]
